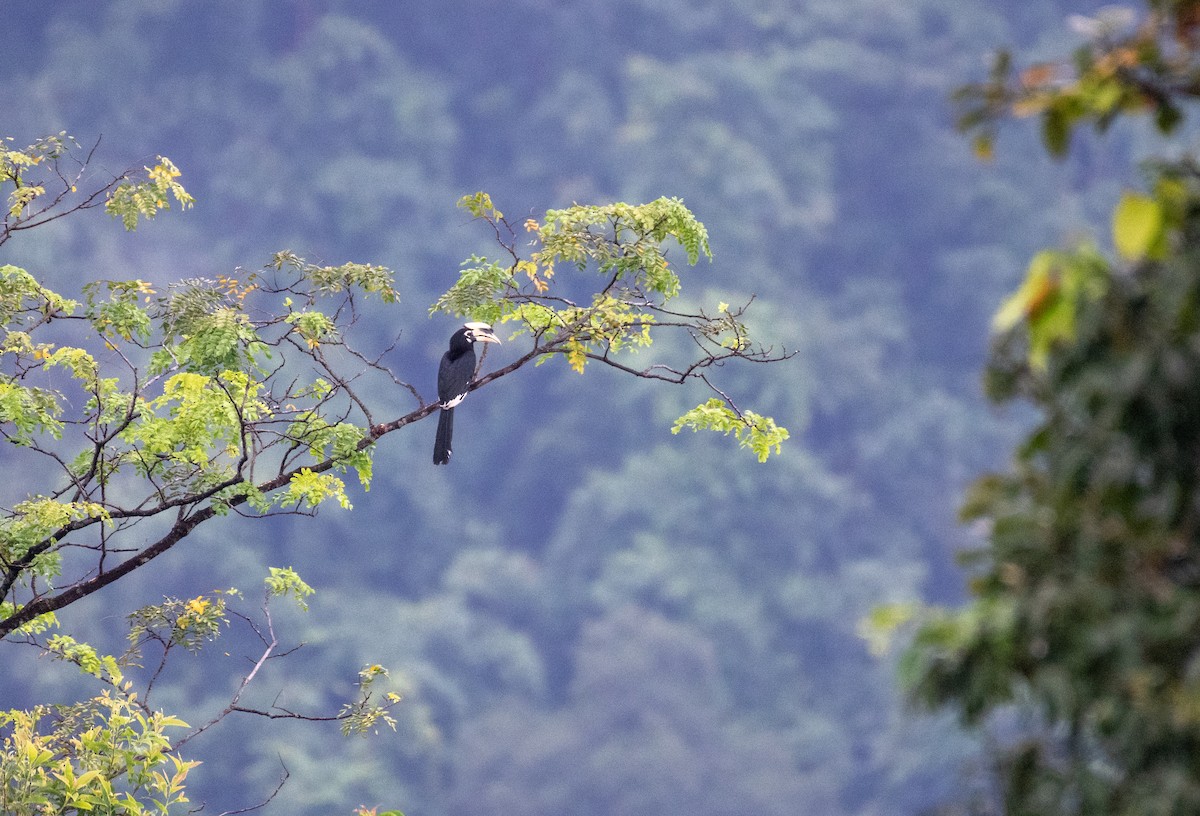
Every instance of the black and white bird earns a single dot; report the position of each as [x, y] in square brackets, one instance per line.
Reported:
[455, 373]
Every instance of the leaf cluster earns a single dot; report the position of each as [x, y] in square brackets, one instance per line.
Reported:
[130, 200]
[103, 755]
[1126, 66]
[216, 394]
[41, 183]
[758, 433]
[627, 247]
[112, 753]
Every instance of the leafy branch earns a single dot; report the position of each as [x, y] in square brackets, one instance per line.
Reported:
[624, 245]
[44, 181]
[1125, 65]
[246, 393]
[110, 753]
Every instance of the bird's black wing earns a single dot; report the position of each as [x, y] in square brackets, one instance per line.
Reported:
[454, 375]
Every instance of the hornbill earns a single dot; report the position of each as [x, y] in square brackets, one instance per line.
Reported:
[455, 373]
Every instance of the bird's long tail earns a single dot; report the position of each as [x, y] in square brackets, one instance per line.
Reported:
[445, 430]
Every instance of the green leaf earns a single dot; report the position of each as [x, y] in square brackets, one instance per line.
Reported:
[307, 487]
[1167, 116]
[1137, 226]
[478, 294]
[1047, 300]
[1039, 285]
[1056, 130]
[284, 581]
[880, 626]
[480, 205]
[131, 200]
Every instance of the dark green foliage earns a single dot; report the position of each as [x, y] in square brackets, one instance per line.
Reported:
[1087, 603]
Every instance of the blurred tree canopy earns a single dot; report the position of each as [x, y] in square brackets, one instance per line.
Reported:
[1085, 595]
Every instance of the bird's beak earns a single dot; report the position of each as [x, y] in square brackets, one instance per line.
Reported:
[482, 332]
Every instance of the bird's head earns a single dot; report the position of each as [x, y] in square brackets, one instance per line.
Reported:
[480, 332]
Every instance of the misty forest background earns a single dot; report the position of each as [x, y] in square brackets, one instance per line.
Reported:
[586, 615]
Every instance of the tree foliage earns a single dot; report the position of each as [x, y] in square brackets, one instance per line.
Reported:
[247, 394]
[115, 752]
[42, 183]
[1126, 65]
[625, 246]
[1086, 605]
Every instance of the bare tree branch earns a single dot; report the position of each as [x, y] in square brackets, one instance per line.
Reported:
[282, 781]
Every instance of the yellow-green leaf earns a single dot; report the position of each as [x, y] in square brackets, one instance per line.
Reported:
[1137, 226]
[1040, 284]
[879, 627]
